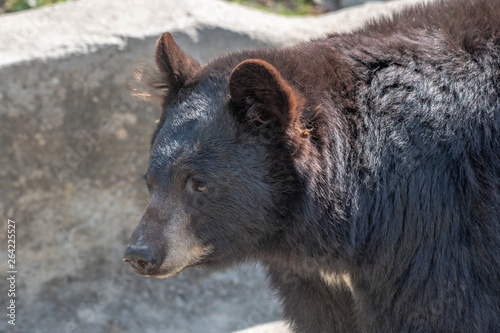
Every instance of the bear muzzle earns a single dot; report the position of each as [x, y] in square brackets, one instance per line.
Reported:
[163, 244]
[140, 258]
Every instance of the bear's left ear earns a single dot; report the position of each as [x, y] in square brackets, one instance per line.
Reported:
[257, 88]
[176, 67]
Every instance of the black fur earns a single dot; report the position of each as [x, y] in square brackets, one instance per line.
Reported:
[384, 168]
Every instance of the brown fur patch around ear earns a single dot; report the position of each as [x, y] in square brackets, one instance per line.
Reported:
[258, 88]
[175, 66]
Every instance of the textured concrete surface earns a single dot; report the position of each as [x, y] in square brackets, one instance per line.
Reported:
[74, 144]
[274, 327]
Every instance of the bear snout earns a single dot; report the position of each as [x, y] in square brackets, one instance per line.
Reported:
[140, 258]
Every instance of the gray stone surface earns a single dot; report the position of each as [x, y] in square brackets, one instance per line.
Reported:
[74, 144]
[274, 327]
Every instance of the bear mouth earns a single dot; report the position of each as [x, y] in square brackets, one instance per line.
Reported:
[161, 275]
[165, 273]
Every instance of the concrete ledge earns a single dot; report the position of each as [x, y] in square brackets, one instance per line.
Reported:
[275, 327]
[85, 26]
[75, 144]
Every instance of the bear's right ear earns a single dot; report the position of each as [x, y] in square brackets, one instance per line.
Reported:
[175, 66]
[260, 94]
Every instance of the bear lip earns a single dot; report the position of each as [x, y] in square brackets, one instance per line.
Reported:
[163, 274]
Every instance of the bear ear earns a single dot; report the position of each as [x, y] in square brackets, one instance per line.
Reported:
[175, 66]
[257, 87]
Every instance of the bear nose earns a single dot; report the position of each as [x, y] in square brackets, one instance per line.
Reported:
[139, 257]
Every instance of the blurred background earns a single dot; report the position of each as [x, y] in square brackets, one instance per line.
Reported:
[284, 7]
[74, 144]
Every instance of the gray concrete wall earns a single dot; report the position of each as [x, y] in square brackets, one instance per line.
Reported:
[74, 144]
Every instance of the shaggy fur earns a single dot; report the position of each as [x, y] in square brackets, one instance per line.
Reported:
[363, 169]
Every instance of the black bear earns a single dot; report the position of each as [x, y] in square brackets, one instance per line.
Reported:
[362, 169]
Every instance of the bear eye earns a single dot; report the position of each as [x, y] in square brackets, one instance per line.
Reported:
[200, 187]
[197, 186]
